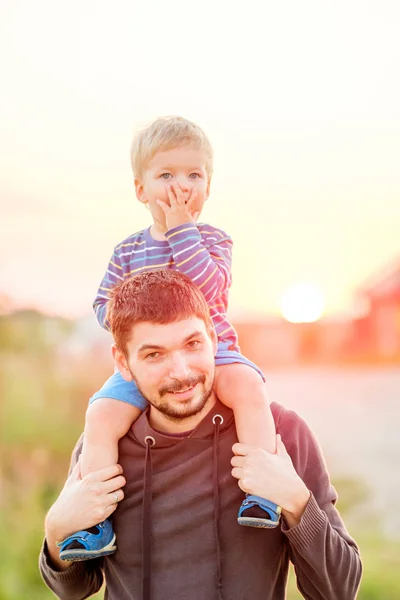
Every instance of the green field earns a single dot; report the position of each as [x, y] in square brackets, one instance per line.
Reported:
[44, 391]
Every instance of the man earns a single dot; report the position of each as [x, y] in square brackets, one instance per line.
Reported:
[177, 531]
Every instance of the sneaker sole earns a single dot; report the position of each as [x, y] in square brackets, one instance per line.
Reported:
[80, 555]
[258, 523]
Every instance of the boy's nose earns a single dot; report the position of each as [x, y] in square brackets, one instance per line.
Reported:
[183, 184]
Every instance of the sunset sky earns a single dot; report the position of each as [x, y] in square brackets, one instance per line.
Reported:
[301, 101]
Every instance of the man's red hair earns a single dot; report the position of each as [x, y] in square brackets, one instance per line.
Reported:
[158, 296]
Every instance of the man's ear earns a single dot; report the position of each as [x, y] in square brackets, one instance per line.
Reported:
[139, 189]
[121, 363]
[214, 340]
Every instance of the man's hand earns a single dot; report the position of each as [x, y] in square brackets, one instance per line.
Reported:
[271, 476]
[82, 504]
[181, 209]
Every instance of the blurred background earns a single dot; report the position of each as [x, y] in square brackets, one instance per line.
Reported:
[301, 101]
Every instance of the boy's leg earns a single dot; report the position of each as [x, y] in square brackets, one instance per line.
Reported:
[240, 385]
[107, 420]
[241, 388]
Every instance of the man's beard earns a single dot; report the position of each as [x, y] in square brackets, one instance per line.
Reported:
[184, 409]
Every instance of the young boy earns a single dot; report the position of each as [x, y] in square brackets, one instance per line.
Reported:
[172, 162]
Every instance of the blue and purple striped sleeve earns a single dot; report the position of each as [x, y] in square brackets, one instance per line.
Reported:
[205, 257]
[113, 275]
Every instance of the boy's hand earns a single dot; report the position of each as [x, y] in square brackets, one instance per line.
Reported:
[181, 209]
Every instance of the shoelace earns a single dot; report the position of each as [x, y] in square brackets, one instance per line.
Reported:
[147, 520]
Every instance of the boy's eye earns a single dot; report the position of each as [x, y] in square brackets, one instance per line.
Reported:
[194, 176]
[166, 175]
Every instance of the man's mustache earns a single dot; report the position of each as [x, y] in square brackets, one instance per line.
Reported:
[184, 384]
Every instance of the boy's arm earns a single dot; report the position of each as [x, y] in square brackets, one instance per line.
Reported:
[325, 557]
[205, 257]
[113, 275]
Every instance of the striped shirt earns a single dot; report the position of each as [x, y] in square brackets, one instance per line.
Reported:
[200, 251]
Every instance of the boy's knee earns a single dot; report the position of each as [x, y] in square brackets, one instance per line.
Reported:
[239, 372]
[237, 376]
[98, 411]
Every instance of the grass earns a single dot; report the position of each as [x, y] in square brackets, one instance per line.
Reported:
[43, 398]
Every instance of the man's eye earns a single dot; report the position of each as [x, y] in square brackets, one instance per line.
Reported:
[166, 175]
[152, 355]
[193, 343]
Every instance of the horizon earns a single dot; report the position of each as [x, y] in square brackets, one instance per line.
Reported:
[304, 118]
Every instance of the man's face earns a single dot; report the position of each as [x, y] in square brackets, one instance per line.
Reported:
[172, 365]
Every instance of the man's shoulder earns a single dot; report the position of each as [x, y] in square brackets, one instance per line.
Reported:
[298, 437]
[135, 239]
[76, 452]
[289, 424]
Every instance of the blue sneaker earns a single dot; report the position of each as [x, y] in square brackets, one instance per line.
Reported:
[95, 542]
[259, 512]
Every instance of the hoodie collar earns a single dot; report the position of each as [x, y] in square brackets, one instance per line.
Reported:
[205, 429]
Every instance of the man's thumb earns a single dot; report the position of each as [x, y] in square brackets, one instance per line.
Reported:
[76, 471]
[280, 446]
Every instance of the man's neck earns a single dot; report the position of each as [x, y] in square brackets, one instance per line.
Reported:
[162, 423]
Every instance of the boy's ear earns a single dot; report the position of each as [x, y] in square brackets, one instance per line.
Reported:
[208, 189]
[139, 189]
[121, 363]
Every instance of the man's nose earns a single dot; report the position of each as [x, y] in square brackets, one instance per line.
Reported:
[179, 368]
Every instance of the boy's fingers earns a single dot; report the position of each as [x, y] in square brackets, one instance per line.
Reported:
[192, 197]
[171, 195]
[163, 205]
[180, 200]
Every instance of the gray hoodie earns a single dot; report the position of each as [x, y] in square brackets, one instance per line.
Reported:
[177, 531]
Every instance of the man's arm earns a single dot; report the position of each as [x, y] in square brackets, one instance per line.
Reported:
[81, 504]
[79, 581]
[325, 557]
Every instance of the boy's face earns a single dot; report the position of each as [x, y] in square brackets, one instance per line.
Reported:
[184, 166]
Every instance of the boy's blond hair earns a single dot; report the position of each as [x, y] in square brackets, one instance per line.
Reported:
[166, 133]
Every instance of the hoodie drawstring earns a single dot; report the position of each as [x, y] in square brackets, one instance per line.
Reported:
[217, 420]
[146, 519]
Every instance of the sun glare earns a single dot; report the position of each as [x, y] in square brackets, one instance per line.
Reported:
[302, 303]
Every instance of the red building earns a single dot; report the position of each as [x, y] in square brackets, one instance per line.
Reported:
[377, 330]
